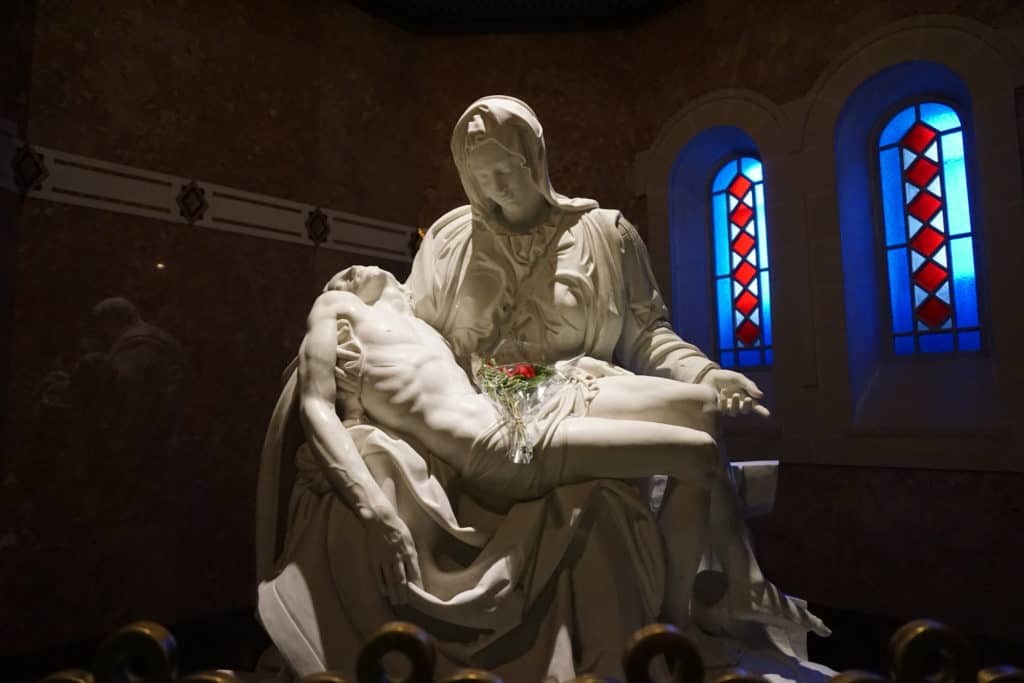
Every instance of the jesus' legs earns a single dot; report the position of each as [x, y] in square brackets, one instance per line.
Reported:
[655, 399]
[600, 448]
[690, 510]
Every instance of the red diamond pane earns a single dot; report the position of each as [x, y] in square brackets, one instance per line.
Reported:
[744, 273]
[743, 244]
[930, 276]
[739, 186]
[741, 215]
[746, 303]
[922, 171]
[748, 332]
[927, 240]
[933, 312]
[918, 138]
[923, 206]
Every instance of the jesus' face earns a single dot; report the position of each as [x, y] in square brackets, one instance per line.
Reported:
[366, 282]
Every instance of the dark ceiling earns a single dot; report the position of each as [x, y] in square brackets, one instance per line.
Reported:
[513, 15]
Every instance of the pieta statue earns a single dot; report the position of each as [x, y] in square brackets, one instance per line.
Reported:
[392, 484]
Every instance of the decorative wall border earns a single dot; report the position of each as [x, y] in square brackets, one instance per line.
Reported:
[57, 176]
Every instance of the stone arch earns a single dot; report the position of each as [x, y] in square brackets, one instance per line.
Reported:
[978, 69]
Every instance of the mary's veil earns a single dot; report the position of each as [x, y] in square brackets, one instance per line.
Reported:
[512, 124]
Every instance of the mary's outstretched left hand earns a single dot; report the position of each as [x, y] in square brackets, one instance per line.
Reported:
[737, 394]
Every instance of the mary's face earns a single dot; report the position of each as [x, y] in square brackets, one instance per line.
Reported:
[503, 177]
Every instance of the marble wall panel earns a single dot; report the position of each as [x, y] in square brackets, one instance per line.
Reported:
[901, 543]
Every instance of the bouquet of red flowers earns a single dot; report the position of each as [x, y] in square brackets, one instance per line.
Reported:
[518, 389]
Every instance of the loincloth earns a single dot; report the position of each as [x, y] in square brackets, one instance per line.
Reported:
[490, 472]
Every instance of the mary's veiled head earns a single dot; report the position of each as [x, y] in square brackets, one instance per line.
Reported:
[502, 133]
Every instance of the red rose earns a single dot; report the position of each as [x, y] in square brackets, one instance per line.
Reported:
[525, 370]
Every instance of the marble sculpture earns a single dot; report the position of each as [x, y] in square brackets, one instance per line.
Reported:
[386, 491]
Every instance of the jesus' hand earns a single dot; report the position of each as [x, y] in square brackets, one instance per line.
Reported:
[392, 556]
[736, 393]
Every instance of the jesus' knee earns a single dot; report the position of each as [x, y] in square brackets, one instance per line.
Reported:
[695, 406]
[697, 458]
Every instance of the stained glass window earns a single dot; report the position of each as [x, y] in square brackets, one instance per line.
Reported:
[740, 238]
[928, 240]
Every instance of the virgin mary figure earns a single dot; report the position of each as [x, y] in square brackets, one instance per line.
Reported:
[540, 590]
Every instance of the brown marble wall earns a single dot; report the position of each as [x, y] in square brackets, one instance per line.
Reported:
[901, 543]
[118, 502]
[318, 102]
[602, 96]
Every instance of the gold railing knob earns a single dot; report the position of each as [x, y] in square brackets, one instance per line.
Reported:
[1001, 674]
[925, 651]
[858, 676]
[210, 677]
[68, 676]
[739, 676]
[681, 656]
[323, 677]
[141, 652]
[404, 638]
[473, 676]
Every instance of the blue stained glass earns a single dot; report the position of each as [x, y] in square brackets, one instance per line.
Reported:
[728, 359]
[725, 340]
[936, 343]
[899, 291]
[955, 171]
[939, 116]
[892, 196]
[969, 341]
[724, 177]
[721, 240]
[769, 357]
[766, 306]
[955, 254]
[752, 169]
[904, 345]
[762, 234]
[964, 282]
[725, 261]
[898, 127]
[750, 357]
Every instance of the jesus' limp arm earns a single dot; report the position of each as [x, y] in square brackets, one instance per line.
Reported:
[327, 436]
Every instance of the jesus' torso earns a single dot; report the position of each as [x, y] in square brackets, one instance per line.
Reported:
[410, 381]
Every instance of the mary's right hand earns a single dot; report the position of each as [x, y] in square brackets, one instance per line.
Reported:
[392, 556]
